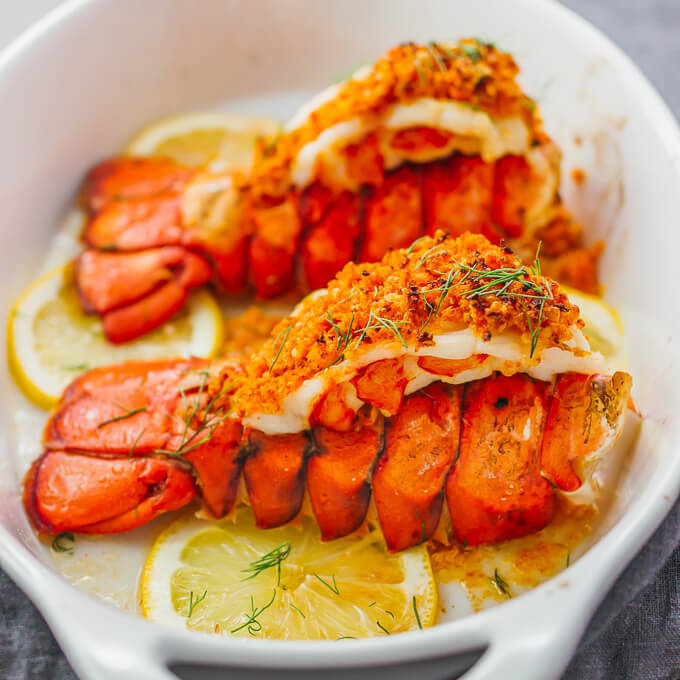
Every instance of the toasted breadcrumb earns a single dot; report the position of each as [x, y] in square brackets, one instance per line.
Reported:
[471, 72]
[393, 302]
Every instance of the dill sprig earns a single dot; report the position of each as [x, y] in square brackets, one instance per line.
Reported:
[470, 51]
[415, 611]
[500, 584]
[211, 418]
[253, 625]
[382, 628]
[503, 282]
[333, 588]
[128, 413]
[414, 244]
[134, 443]
[193, 602]
[376, 322]
[285, 332]
[63, 542]
[428, 254]
[75, 367]
[568, 557]
[298, 610]
[448, 284]
[272, 559]
[343, 338]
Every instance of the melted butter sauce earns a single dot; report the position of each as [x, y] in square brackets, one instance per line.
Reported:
[473, 578]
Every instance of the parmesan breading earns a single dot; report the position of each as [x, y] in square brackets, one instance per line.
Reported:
[442, 298]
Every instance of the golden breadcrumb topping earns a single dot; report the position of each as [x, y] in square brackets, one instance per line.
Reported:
[437, 285]
[471, 72]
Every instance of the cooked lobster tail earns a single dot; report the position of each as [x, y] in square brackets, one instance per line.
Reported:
[432, 137]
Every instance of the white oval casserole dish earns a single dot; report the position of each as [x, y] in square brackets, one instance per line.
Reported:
[81, 81]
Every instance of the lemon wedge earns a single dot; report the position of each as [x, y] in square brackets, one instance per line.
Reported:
[50, 340]
[603, 328]
[218, 140]
[229, 577]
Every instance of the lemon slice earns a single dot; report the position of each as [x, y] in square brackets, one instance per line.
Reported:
[603, 328]
[221, 140]
[50, 340]
[231, 578]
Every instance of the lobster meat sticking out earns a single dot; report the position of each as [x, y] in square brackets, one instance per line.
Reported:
[436, 136]
[446, 390]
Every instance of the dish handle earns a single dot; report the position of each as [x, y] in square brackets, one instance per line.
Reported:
[109, 648]
[539, 642]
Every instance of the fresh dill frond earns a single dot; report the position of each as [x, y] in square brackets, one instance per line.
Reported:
[128, 414]
[134, 443]
[417, 615]
[382, 628]
[252, 623]
[63, 542]
[500, 584]
[206, 426]
[194, 602]
[333, 588]
[285, 332]
[377, 322]
[298, 611]
[272, 559]
[414, 244]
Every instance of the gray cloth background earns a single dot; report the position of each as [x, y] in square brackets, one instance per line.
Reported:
[636, 632]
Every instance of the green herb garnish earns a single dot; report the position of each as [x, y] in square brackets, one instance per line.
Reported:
[134, 443]
[211, 418]
[298, 611]
[374, 322]
[272, 559]
[283, 342]
[76, 367]
[253, 625]
[500, 584]
[129, 412]
[382, 628]
[333, 588]
[415, 611]
[63, 542]
[414, 244]
[193, 603]
[470, 51]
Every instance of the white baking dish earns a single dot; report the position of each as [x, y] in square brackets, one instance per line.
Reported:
[75, 86]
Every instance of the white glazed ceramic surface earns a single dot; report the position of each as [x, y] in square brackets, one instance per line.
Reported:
[78, 84]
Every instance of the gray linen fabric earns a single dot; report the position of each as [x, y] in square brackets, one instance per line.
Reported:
[635, 634]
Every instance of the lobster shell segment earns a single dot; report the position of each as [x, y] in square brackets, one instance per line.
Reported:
[102, 495]
[496, 490]
[421, 444]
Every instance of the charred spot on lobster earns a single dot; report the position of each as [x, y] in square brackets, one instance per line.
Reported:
[501, 403]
